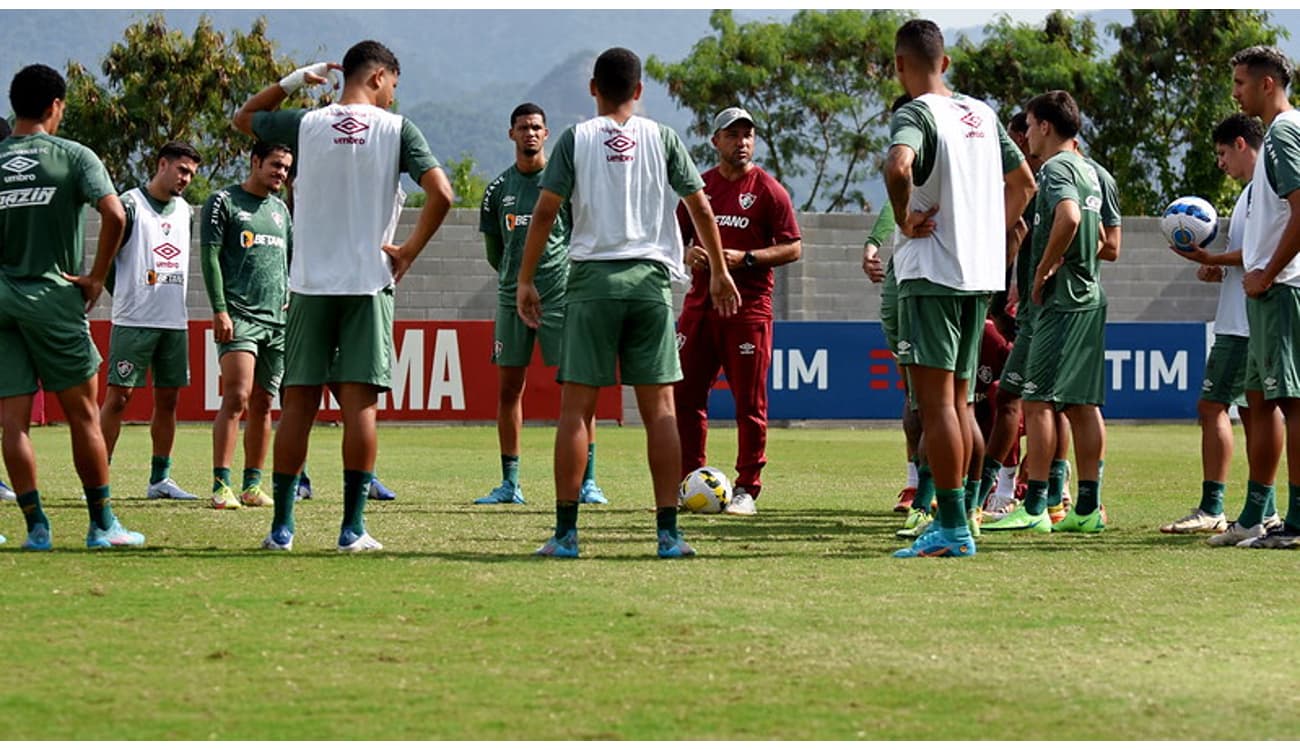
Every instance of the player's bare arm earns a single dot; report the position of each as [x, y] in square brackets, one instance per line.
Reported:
[527, 300]
[1017, 188]
[1111, 237]
[271, 97]
[112, 222]
[1257, 282]
[898, 182]
[872, 266]
[1065, 224]
[438, 190]
[722, 288]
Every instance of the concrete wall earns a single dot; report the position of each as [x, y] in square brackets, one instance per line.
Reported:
[452, 281]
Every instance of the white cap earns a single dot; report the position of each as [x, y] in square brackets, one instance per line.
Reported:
[730, 116]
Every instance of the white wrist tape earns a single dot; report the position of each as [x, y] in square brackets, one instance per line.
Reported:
[297, 79]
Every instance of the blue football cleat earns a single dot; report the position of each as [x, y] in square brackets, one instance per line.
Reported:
[591, 494]
[938, 542]
[116, 535]
[506, 493]
[671, 545]
[38, 539]
[379, 492]
[564, 546]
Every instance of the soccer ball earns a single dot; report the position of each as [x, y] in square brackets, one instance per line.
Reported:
[1189, 221]
[704, 490]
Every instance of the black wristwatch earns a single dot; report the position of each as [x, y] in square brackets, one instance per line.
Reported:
[750, 260]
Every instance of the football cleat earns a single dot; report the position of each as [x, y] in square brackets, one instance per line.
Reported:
[1021, 520]
[506, 493]
[114, 536]
[560, 546]
[169, 490]
[671, 545]
[904, 503]
[1197, 522]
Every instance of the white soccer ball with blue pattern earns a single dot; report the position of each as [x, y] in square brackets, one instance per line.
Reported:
[1189, 221]
[705, 490]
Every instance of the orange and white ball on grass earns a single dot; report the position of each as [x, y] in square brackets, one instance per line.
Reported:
[704, 490]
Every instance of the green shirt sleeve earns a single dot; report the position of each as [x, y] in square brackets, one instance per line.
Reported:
[884, 227]
[488, 223]
[558, 175]
[913, 126]
[279, 126]
[1110, 215]
[1284, 156]
[212, 233]
[417, 158]
[1011, 154]
[682, 174]
[1056, 184]
[95, 182]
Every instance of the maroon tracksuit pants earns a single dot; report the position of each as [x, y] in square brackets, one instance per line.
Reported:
[742, 350]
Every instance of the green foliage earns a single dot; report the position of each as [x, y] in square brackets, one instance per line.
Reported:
[159, 85]
[819, 88]
[467, 185]
[1148, 109]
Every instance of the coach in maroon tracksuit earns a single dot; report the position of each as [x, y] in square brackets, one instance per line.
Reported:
[759, 232]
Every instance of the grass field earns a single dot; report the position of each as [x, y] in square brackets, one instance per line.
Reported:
[794, 624]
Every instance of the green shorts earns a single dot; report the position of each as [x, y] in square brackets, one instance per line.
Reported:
[45, 337]
[1013, 372]
[133, 352]
[1067, 363]
[340, 339]
[889, 308]
[513, 340]
[1225, 371]
[1274, 362]
[265, 343]
[941, 331]
[636, 338]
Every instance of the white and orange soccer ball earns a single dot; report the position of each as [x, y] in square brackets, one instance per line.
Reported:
[705, 490]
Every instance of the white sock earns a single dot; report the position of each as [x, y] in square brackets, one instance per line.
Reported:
[1007, 481]
[912, 478]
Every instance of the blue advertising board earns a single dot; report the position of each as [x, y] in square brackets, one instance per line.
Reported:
[843, 370]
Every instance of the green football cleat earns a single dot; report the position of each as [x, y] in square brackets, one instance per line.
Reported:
[1093, 523]
[1021, 520]
[915, 525]
[973, 519]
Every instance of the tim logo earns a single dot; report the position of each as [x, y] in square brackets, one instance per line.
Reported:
[620, 144]
[167, 251]
[351, 128]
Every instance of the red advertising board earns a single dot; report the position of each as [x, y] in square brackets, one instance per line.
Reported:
[442, 371]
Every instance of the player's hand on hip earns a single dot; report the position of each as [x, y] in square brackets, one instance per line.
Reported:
[726, 298]
[90, 287]
[919, 223]
[1256, 283]
[400, 260]
[223, 330]
[529, 304]
[696, 257]
[871, 264]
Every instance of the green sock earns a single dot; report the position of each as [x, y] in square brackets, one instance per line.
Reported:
[101, 510]
[1293, 507]
[590, 474]
[972, 490]
[159, 467]
[1036, 498]
[356, 488]
[1056, 482]
[510, 469]
[220, 476]
[1270, 505]
[252, 478]
[1212, 497]
[924, 488]
[988, 478]
[30, 503]
[1089, 497]
[666, 519]
[566, 517]
[1257, 497]
[952, 508]
[284, 489]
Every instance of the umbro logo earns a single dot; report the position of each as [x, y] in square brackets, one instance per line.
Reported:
[621, 145]
[747, 348]
[167, 250]
[18, 164]
[971, 120]
[350, 126]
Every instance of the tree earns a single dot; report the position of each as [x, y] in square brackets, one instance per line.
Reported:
[1149, 108]
[159, 85]
[1175, 62]
[467, 185]
[819, 89]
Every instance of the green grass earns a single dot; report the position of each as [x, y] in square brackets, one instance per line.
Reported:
[794, 624]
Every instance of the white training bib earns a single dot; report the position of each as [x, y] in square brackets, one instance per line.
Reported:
[152, 268]
[1268, 215]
